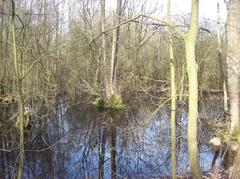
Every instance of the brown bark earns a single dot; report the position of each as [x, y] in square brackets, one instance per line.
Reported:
[235, 174]
[2, 73]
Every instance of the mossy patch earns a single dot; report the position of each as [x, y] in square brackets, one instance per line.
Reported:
[100, 103]
[114, 102]
[232, 136]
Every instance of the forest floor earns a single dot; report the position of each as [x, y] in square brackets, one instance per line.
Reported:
[218, 173]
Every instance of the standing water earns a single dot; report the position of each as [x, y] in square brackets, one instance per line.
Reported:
[78, 142]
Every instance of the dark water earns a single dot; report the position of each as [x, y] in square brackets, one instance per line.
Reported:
[69, 143]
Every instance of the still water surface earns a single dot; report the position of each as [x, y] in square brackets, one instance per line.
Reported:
[69, 143]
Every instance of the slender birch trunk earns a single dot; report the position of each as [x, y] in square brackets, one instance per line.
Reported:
[103, 47]
[173, 96]
[220, 61]
[115, 47]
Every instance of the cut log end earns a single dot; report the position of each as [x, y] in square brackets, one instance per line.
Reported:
[215, 143]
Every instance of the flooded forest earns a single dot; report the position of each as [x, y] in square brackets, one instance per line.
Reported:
[120, 89]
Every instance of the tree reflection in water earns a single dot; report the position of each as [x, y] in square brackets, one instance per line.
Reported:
[80, 142]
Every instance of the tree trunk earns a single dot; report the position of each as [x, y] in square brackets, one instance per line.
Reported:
[57, 36]
[115, 48]
[173, 96]
[20, 96]
[193, 109]
[235, 174]
[2, 73]
[103, 48]
[233, 60]
[220, 62]
[192, 70]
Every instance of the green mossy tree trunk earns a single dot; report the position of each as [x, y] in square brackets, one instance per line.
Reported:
[20, 96]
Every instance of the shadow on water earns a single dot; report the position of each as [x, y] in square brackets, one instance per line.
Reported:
[80, 142]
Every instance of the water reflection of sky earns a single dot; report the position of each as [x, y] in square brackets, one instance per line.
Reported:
[143, 146]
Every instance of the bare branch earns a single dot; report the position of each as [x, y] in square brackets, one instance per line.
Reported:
[160, 22]
[32, 65]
